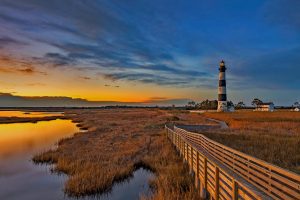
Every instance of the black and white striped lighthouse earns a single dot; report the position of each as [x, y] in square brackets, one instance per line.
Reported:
[222, 96]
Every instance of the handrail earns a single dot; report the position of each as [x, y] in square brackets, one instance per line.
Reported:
[266, 178]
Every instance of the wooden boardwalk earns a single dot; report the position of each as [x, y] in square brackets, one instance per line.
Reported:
[224, 173]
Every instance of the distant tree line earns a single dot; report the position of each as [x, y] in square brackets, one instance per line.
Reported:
[206, 105]
[213, 104]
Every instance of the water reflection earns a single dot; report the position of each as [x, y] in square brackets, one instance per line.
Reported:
[19, 177]
[131, 189]
[16, 113]
[28, 138]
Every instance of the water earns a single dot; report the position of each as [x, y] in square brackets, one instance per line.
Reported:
[21, 179]
[17, 113]
[24, 139]
[132, 188]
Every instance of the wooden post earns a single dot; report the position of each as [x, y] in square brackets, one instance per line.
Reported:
[205, 172]
[177, 142]
[187, 153]
[234, 190]
[197, 164]
[181, 141]
[203, 193]
[191, 160]
[173, 138]
[217, 183]
[180, 146]
[183, 151]
[167, 131]
[197, 170]
[196, 183]
[203, 184]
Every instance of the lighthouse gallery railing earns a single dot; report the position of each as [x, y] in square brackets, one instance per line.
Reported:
[229, 174]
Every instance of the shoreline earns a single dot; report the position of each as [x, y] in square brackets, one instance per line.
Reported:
[112, 150]
[12, 120]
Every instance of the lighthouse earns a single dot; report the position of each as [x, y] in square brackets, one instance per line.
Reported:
[222, 96]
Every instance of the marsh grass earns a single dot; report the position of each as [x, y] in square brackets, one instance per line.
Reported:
[270, 136]
[119, 141]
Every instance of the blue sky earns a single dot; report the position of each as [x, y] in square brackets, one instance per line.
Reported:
[170, 45]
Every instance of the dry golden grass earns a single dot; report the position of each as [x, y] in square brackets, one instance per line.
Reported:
[270, 136]
[117, 142]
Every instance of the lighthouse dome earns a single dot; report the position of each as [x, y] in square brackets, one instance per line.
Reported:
[222, 63]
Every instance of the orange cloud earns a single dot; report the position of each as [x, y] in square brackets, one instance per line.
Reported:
[9, 64]
[27, 70]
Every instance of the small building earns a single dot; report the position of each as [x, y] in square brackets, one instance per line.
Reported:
[269, 106]
[297, 109]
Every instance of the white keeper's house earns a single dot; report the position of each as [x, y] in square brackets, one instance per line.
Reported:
[268, 106]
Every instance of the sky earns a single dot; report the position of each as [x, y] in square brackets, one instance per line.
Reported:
[150, 51]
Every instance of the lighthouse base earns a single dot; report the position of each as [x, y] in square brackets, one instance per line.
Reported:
[222, 106]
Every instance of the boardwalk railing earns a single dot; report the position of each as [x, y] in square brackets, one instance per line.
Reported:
[229, 174]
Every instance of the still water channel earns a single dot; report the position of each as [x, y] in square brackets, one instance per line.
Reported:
[18, 113]
[21, 179]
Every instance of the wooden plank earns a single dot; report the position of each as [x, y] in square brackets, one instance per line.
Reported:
[211, 174]
[258, 197]
[286, 181]
[277, 169]
[211, 178]
[262, 176]
[210, 190]
[227, 184]
[242, 194]
[257, 182]
[207, 164]
[224, 193]
[210, 168]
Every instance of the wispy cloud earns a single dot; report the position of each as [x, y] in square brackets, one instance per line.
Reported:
[55, 60]
[7, 41]
[9, 64]
[106, 40]
[85, 77]
[27, 70]
[175, 44]
[35, 84]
